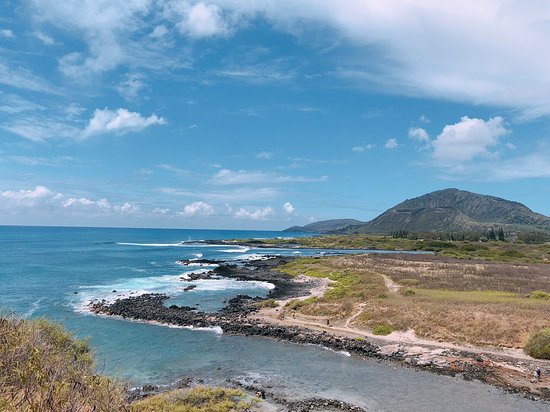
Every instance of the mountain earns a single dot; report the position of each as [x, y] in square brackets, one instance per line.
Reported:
[326, 226]
[451, 210]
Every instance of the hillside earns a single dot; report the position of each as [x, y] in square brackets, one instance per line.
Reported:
[452, 210]
[326, 226]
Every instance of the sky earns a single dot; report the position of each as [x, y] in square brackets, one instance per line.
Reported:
[263, 114]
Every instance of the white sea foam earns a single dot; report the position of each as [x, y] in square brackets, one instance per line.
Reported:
[171, 285]
[198, 255]
[240, 249]
[178, 244]
[251, 256]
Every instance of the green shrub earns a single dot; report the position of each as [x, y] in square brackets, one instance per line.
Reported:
[269, 303]
[297, 304]
[382, 295]
[200, 398]
[382, 329]
[539, 294]
[538, 345]
[408, 292]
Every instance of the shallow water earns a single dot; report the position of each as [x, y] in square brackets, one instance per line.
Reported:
[41, 268]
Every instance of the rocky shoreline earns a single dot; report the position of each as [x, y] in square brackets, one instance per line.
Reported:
[235, 318]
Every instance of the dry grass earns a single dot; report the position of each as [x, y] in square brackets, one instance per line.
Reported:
[478, 302]
[434, 272]
[351, 284]
[201, 398]
[43, 368]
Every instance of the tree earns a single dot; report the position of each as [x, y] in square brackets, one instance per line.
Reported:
[492, 235]
[501, 235]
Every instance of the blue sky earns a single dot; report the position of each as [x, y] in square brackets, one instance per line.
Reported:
[248, 114]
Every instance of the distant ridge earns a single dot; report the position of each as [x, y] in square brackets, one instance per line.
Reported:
[325, 226]
[448, 210]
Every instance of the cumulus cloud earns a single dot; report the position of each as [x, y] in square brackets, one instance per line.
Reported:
[468, 139]
[202, 20]
[197, 209]
[288, 208]
[119, 121]
[84, 201]
[420, 134]
[26, 194]
[258, 214]
[363, 148]
[391, 144]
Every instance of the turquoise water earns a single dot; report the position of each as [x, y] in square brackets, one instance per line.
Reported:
[42, 268]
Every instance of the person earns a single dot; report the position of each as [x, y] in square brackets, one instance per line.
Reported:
[538, 373]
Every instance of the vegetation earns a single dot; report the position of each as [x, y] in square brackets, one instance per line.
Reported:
[441, 244]
[440, 298]
[197, 399]
[43, 368]
[383, 329]
[268, 303]
[538, 345]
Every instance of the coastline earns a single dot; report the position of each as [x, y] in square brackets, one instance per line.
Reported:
[242, 316]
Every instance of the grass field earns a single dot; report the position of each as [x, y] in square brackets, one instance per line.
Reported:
[440, 298]
[492, 251]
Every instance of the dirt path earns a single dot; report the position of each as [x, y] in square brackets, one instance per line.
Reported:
[345, 327]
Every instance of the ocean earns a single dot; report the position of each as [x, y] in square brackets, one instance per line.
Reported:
[54, 272]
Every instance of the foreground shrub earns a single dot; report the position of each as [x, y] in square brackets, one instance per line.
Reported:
[538, 345]
[297, 304]
[44, 368]
[200, 398]
[382, 329]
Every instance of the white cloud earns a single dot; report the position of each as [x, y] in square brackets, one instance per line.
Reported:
[44, 38]
[126, 208]
[468, 139]
[391, 144]
[237, 177]
[14, 104]
[289, 208]
[420, 134]
[197, 209]
[233, 195]
[160, 211]
[84, 201]
[22, 78]
[22, 195]
[363, 148]
[7, 33]
[119, 121]
[258, 214]
[424, 119]
[131, 87]
[203, 20]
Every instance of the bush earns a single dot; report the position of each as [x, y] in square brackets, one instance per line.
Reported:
[538, 345]
[539, 294]
[382, 329]
[44, 368]
[408, 292]
[297, 304]
[269, 303]
[200, 398]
